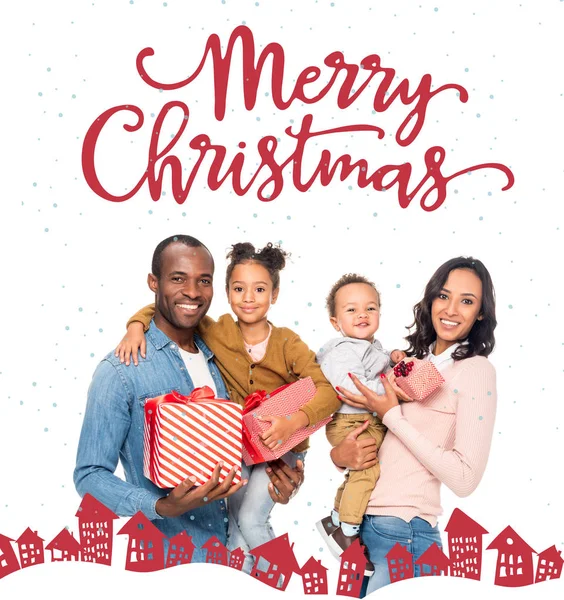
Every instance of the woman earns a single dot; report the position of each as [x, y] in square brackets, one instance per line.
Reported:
[446, 437]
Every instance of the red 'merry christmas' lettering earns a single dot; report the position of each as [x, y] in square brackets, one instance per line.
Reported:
[431, 187]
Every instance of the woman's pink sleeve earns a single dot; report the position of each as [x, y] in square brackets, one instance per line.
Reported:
[461, 468]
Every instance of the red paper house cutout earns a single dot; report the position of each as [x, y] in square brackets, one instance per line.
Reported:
[514, 560]
[8, 559]
[314, 577]
[63, 547]
[95, 530]
[400, 563]
[275, 562]
[433, 561]
[465, 545]
[216, 552]
[549, 565]
[30, 547]
[351, 574]
[180, 550]
[236, 559]
[145, 550]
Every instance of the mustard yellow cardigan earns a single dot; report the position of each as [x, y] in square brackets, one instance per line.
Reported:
[286, 360]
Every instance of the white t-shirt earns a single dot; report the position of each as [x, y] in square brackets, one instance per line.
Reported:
[197, 367]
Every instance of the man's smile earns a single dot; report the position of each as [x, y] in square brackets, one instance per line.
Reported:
[189, 307]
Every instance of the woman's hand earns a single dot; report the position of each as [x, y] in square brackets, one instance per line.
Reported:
[399, 392]
[282, 428]
[132, 342]
[369, 400]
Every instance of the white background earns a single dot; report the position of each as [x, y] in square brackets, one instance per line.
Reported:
[74, 266]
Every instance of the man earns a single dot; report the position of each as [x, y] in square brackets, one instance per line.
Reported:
[182, 280]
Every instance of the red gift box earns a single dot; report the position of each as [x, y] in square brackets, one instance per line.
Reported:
[189, 435]
[284, 401]
[420, 380]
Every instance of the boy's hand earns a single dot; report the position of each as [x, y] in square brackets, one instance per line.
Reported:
[397, 356]
[282, 428]
[133, 342]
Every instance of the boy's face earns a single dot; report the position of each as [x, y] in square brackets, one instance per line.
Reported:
[357, 311]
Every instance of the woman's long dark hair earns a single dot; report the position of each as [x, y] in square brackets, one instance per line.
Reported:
[480, 340]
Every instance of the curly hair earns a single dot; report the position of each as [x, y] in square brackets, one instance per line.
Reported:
[480, 341]
[345, 280]
[271, 257]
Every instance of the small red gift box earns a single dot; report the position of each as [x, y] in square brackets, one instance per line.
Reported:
[417, 378]
[284, 401]
[189, 435]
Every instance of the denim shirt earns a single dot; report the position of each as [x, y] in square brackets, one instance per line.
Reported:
[113, 429]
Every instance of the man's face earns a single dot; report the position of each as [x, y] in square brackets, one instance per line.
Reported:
[185, 289]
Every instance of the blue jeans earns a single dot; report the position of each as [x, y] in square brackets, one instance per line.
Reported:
[380, 534]
[249, 510]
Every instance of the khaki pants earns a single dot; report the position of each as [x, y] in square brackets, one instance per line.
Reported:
[353, 495]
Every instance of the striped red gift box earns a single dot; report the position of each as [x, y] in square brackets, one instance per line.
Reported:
[189, 435]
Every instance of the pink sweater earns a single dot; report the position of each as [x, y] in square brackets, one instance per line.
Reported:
[446, 438]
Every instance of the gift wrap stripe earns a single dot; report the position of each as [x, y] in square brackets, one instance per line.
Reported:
[170, 471]
[177, 454]
[207, 454]
[220, 430]
[180, 427]
[172, 437]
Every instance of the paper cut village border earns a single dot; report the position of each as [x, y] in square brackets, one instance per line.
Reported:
[275, 562]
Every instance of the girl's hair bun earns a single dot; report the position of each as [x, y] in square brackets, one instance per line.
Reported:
[241, 251]
[271, 257]
[274, 256]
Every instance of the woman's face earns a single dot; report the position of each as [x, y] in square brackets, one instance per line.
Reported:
[456, 308]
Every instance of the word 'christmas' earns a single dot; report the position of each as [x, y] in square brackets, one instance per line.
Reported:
[431, 188]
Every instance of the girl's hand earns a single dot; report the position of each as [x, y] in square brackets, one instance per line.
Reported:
[369, 400]
[132, 342]
[282, 428]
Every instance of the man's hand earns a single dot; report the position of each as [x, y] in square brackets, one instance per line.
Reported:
[185, 497]
[355, 454]
[284, 481]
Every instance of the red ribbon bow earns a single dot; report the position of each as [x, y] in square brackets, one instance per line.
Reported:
[254, 400]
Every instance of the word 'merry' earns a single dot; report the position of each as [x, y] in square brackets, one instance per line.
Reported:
[270, 173]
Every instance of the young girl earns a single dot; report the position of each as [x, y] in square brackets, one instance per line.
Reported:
[252, 354]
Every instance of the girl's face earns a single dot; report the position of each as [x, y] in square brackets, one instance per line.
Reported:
[457, 307]
[250, 292]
